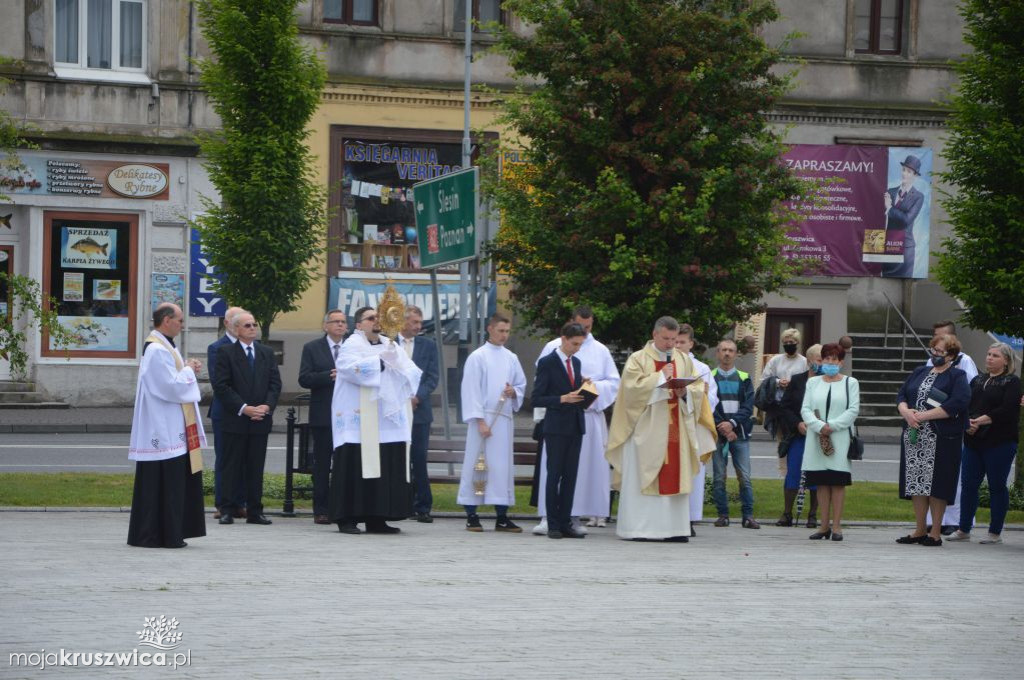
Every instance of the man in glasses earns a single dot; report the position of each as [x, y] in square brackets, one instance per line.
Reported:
[248, 385]
[374, 385]
[316, 373]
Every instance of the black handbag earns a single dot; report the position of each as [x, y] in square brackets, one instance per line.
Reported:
[856, 450]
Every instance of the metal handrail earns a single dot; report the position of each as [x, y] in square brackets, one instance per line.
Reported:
[903, 338]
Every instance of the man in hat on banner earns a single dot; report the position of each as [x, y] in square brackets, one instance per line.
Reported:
[166, 441]
[902, 205]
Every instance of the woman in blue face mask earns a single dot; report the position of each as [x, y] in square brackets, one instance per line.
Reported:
[933, 403]
[830, 407]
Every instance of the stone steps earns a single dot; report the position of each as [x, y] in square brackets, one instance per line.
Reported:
[23, 395]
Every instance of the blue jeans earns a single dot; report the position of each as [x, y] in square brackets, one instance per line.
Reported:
[994, 464]
[740, 450]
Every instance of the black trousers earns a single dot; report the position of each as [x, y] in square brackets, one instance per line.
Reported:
[244, 458]
[563, 452]
[323, 451]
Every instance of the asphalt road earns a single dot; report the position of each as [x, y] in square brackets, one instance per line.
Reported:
[98, 452]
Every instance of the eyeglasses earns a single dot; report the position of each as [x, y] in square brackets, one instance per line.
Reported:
[369, 318]
[250, 325]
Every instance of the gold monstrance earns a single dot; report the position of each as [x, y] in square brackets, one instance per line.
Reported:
[391, 312]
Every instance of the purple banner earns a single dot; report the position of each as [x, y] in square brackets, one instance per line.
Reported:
[872, 212]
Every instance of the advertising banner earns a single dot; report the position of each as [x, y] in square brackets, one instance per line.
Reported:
[872, 214]
[203, 300]
[87, 177]
[88, 248]
[350, 291]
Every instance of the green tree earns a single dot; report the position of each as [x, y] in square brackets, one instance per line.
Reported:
[983, 261]
[654, 184]
[265, 235]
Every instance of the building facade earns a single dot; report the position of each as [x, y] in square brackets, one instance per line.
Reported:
[111, 95]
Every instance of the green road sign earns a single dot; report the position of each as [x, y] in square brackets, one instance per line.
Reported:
[446, 218]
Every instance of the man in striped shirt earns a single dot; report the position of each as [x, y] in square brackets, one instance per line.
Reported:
[734, 422]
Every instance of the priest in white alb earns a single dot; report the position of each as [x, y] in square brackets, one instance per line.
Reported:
[684, 343]
[657, 437]
[372, 426]
[493, 384]
[166, 441]
[593, 481]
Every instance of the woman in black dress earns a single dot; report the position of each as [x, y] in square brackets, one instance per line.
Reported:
[991, 442]
[933, 403]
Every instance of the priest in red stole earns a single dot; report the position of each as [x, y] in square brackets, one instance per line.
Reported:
[658, 434]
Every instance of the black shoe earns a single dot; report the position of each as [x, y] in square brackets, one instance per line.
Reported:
[258, 519]
[554, 533]
[785, 521]
[948, 529]
[931, 542]
[183, 544]
[424, 517]
[381, 528]
[910, 540]
[812, 521]
[572, 533]
[678, 539]
[507, 525]
[349, 528]
[226, 518]
[693, 532]
[473, 523]
[826, 534]
[837, 537]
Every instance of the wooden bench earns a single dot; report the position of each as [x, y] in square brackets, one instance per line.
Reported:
[453, 451]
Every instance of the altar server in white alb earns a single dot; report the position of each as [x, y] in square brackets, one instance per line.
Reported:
[684, 343]
[658, 434]
[493, 384]
[372, 426]
[167, 502]
[593, 481]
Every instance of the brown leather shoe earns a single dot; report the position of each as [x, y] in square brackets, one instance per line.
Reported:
[216, 514]
[240, 513]
[750, 523]
[321, 519]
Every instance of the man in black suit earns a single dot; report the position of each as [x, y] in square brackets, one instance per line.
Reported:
[902, 205]
[215, 414]
[248, 385]
[423, 352]
[316, 373]
[554, 389]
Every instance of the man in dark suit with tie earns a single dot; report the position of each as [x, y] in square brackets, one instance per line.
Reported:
[215, 414]
[902, 204]
[248, 385]
[316, 373]
[554, 389]
[423, 352]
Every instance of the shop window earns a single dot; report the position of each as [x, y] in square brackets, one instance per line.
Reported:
[484, 11]
[96, 37]
[89, 269]
[7, 268]
[356, 12]
[878, 27]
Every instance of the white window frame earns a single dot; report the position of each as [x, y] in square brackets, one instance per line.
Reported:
[80, 71]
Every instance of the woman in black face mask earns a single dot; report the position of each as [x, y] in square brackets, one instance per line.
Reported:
[784, 366]
[933, 403]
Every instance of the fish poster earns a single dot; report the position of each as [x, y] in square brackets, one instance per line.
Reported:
[96, 333]
[88, 248]
[74, 287]
[167, 288]
[106, 289]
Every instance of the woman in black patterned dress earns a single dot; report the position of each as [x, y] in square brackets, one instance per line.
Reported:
[933, 403]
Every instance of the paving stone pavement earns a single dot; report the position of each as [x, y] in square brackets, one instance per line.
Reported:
[298, 600]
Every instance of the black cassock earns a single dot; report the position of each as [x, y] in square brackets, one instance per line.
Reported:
[167, 504]
[354, 499]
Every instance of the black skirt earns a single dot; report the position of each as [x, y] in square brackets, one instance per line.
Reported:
[167, 504]
[354, 499]
[827, 478]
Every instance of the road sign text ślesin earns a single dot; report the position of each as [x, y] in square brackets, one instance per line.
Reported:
[446, 211]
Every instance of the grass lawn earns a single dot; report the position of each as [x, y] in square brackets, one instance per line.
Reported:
[864, 500]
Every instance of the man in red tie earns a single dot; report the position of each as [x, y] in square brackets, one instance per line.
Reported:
[555, 389]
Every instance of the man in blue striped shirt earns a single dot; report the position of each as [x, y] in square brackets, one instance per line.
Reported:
[734, 422]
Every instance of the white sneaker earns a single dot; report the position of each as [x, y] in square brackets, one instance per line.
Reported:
[601, 522]
[991, 539]
[578, 526]
[592, 522]
[958, 536]
[542, 528]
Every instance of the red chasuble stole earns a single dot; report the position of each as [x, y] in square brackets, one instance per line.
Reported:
[668, 477]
